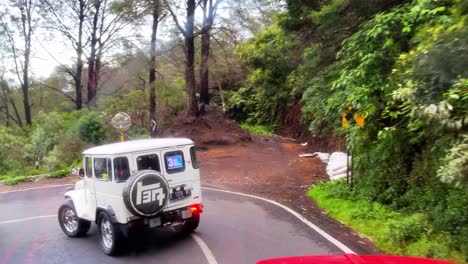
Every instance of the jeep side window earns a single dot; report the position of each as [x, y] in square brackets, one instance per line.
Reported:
[193, 156]
[148, 162]
[89, 167]
[101, 170]
[121, 169]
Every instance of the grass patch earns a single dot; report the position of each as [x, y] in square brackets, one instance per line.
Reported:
[391, 231]
[258, 129]
[17, 180]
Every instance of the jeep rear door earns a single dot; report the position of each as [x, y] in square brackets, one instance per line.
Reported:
[177, 168]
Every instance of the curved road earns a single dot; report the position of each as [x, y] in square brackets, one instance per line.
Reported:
[233, 229]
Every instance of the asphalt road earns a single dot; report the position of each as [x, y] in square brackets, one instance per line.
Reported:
[235, 229]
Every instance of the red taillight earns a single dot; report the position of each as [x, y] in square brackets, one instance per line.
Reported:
[196, 208]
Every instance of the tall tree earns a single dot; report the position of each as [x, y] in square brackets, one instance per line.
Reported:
[92, 75]
[22, 19]
[189, 46]
[63, 16]
[110, 17]
[157, 16]
[209, 12]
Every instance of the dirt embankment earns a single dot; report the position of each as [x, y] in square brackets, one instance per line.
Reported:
[211, 128]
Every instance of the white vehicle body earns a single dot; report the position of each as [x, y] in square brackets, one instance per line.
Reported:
[132, 185]
[93, 192]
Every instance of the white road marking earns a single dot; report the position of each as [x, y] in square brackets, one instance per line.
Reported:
[337, 243]
[26, 219]
[205, 249]
[36, 188]
[200, 242]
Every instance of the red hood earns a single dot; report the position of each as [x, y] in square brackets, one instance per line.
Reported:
[352, 259]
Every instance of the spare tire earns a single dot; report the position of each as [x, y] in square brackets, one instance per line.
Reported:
[146, 193]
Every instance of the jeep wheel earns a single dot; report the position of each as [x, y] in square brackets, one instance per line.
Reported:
[191, 224]
[71, 225]
[110, 236]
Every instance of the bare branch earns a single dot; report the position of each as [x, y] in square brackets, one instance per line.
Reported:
[59, 91]
[13, 48]
[176, 20]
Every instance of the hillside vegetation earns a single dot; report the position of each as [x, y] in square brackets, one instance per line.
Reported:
[401, 64]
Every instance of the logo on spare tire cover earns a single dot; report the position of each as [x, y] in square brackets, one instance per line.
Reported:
[145, 193]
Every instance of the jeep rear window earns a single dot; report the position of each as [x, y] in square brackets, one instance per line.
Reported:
[193, 156]
[121, 169]
[174, 161]
[148, 162]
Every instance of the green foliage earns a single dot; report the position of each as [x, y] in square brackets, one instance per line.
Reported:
[17, 180]
[59, 173]
[53, 139]
[11, 151]
[272, 57]
[138, 133]
[258, 129]
[455, 168]
[393, 231]
[91, 129]
[402, 65]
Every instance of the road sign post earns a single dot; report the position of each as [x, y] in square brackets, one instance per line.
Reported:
[122, 122]
[348, 116]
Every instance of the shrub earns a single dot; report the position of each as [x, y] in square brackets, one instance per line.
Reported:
[59, 173]
[12, 151]
[257, 129]
[395, 232]
[91, 129]
[406, 230]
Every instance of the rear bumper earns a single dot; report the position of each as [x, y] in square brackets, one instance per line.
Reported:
[167, 219]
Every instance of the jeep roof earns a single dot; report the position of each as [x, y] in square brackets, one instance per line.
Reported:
[137, 145]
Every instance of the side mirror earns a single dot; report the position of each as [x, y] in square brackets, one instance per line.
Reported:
[81, 172]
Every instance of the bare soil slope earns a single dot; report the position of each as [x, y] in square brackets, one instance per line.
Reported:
[211, 128]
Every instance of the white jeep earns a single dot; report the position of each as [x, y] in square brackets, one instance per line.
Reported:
[134, 184]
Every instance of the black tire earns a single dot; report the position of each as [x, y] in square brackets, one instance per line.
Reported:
[109, 244]
[67, 216]
[191, 224]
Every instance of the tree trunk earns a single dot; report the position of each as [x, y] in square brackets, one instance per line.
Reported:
[7, 116]
[25, 89]
[221, 95]
[191, 100]
[152, 69]
[98, 63]
[18, 117]
[205, 51]
[92, 82]
[26, 22]
[79, 59]
[204, 75]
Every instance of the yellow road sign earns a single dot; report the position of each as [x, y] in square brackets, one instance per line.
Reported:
[350, 115]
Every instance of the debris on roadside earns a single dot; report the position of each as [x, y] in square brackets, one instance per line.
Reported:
[336, 163]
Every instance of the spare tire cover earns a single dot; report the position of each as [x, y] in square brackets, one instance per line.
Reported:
[145, 193]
